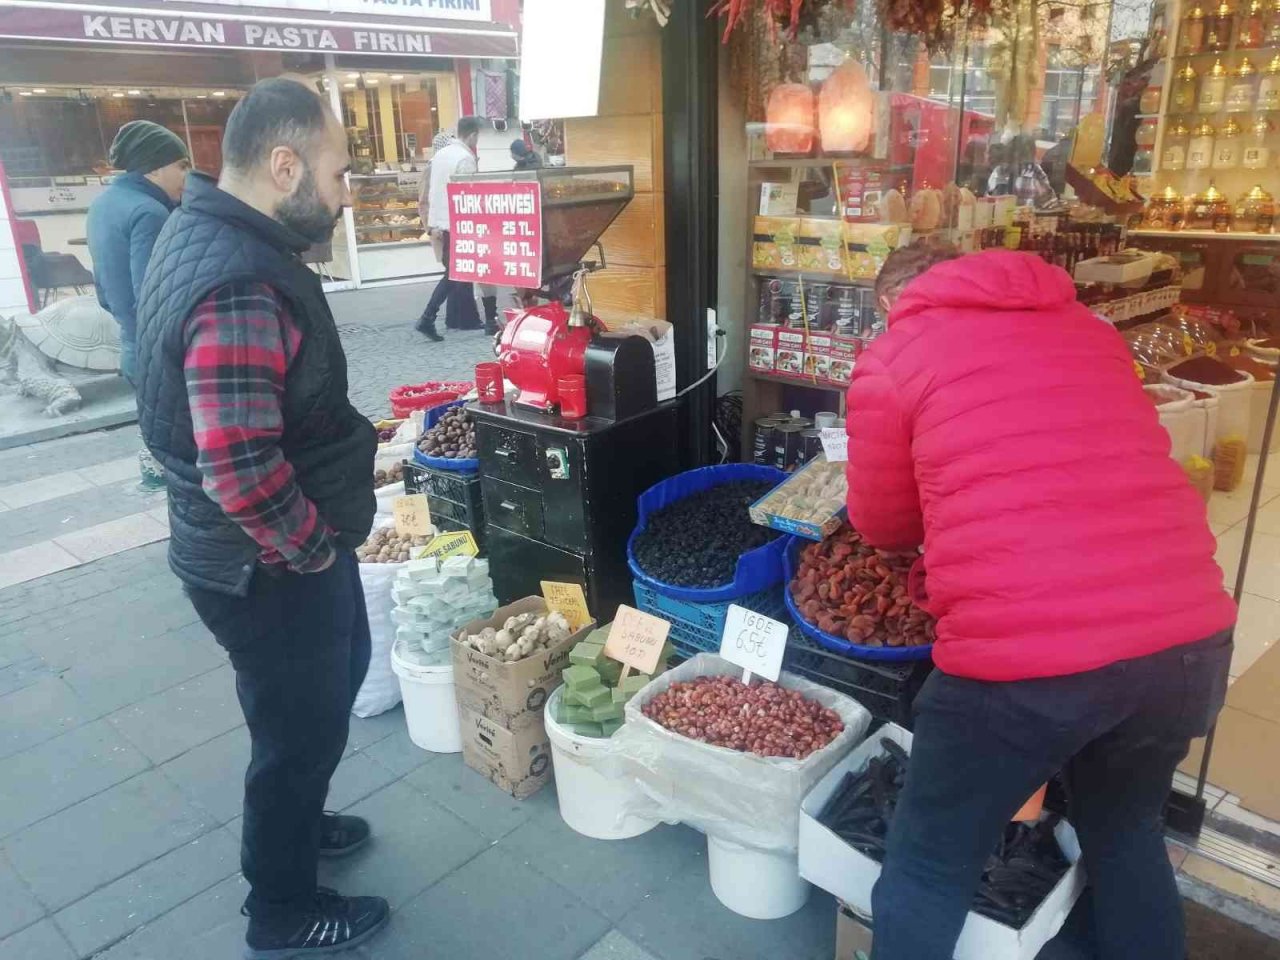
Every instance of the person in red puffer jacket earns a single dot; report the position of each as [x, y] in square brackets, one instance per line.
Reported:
[1082, 622]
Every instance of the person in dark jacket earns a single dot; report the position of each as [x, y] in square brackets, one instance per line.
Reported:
[123, 223]
[526, 157]
[242, 395]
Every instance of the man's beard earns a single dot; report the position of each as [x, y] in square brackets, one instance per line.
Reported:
[304, 212]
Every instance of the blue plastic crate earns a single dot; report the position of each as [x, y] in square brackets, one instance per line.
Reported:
[696, 627]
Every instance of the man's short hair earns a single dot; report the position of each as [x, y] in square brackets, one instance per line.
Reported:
[469, 126]
[275, 113]
[903, 266]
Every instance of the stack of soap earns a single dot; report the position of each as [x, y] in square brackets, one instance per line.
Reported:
[595, 695]
[434, 598]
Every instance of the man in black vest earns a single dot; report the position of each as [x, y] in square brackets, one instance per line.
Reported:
[242, 396]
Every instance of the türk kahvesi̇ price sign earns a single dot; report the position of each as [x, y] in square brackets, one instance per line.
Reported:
[495, 233]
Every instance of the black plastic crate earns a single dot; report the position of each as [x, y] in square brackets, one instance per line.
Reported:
[454, 498]
[887, 689]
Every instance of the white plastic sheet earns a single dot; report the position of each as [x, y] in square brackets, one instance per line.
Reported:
[380, 690]
[739, 797]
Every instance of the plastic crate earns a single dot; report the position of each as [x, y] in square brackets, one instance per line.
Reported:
[451, 465]
[696, 627]
[886, 688]
[454, 498]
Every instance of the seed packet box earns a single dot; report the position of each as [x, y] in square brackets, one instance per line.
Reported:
[788, 358]
[817, 355]
[844, 355]
[828, 862]
[517, 762]
[763, 345]
[512, 695]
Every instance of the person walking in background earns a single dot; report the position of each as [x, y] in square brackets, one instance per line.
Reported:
[525, 158]
[458, 157]
[1082, 623]
[122, 226]
[242, 395]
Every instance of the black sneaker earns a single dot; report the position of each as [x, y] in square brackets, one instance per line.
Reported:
[428, 329]
[332, 924]
[341, 835]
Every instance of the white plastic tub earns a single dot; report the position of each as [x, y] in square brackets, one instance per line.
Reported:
[755, 884]
[430, 705]
[1184, 423]
[593, 798]
[1234, 404]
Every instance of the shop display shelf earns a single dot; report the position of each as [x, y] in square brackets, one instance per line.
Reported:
[696, 627]
[797, 381]
[779, 272]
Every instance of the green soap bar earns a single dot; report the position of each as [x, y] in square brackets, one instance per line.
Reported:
[599, 635]
[576, 715]
[587, 729]
[636, 682]
[560, 712]
[606, 711]
[594, 696]
[578, 676]
[620, 695]
[571, 698]
[609, 670]
[610, 727]
[585, 653]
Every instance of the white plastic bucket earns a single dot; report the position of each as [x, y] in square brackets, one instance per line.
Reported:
[591, 801]
[755, 884]
[430, 705]
[1234, 407]
[1181, 420]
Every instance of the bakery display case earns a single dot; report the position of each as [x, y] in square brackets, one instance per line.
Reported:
[391, 240]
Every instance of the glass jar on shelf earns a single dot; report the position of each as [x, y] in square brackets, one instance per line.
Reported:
[1256, 154]
[1145, 135]
[1243, 90]
[1269, 88]
[1185, 93]
[1255, 212]
[1272, 39]
[1209, 211]
[1228, 146]
[1164, 211]
[1200, 149]
[1253, 27]
[1175, 147]
[1213, 89]
[1218, 29]
[1191, 36]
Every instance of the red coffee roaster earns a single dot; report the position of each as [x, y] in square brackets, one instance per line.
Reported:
[543, 342]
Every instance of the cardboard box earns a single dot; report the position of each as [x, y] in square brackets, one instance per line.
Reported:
[828, 862]
[517, 762]
[821, 244]
[844, 355]
[853, 935]
[788, 356]
[512, 695]
[817, 355]
[763, 346]
[779, 199]
[774, 242]
[867, 245]
[660, 336]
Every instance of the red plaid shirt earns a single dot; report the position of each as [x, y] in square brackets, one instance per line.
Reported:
[240, 343]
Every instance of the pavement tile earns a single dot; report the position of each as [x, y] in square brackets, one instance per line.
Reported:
[113, 471]
[72, 515]
[212, 774]
[44, 710]
[18, 908]
[22, 673]
[415, 843]
[63, 771]
[1224, 878]
[33, 561]
[611, 875]
[399, 754]
[495, 906]
[614, 946]
[175, 720]
[206, 927]
[28, 492]
[366, 731]
[41, 941]
[123, 906]
[684, 921]
[356, 778]
[72, 853]
[471, 797]
[112, 536]
[124, 672]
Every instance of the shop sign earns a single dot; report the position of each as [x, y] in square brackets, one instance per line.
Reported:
[470, 10]
[495, 233]
[236, 33]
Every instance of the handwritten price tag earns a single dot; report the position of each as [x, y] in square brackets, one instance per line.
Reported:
[754, 642]
[412, 515]
[636, 639]
[835, 444]
[569, 599]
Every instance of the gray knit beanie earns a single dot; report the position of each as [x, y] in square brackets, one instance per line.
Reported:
[141, 146]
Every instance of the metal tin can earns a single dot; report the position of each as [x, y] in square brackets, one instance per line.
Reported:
[786, 444]
[817, 307]
[804, 422]
[783, 300]
[810, 445]
[762, 444]
[847, 308]
[764, 302]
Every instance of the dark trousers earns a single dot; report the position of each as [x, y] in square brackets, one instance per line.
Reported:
[981, 749]
[299, 644]
[456, 296]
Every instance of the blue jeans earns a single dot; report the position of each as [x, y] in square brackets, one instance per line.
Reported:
[981, 749]
[128, 359]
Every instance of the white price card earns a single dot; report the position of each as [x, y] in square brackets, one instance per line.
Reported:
[835, 444]
[754, 642]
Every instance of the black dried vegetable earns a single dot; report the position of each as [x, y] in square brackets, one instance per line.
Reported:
[1024, 868]
[696, 541]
